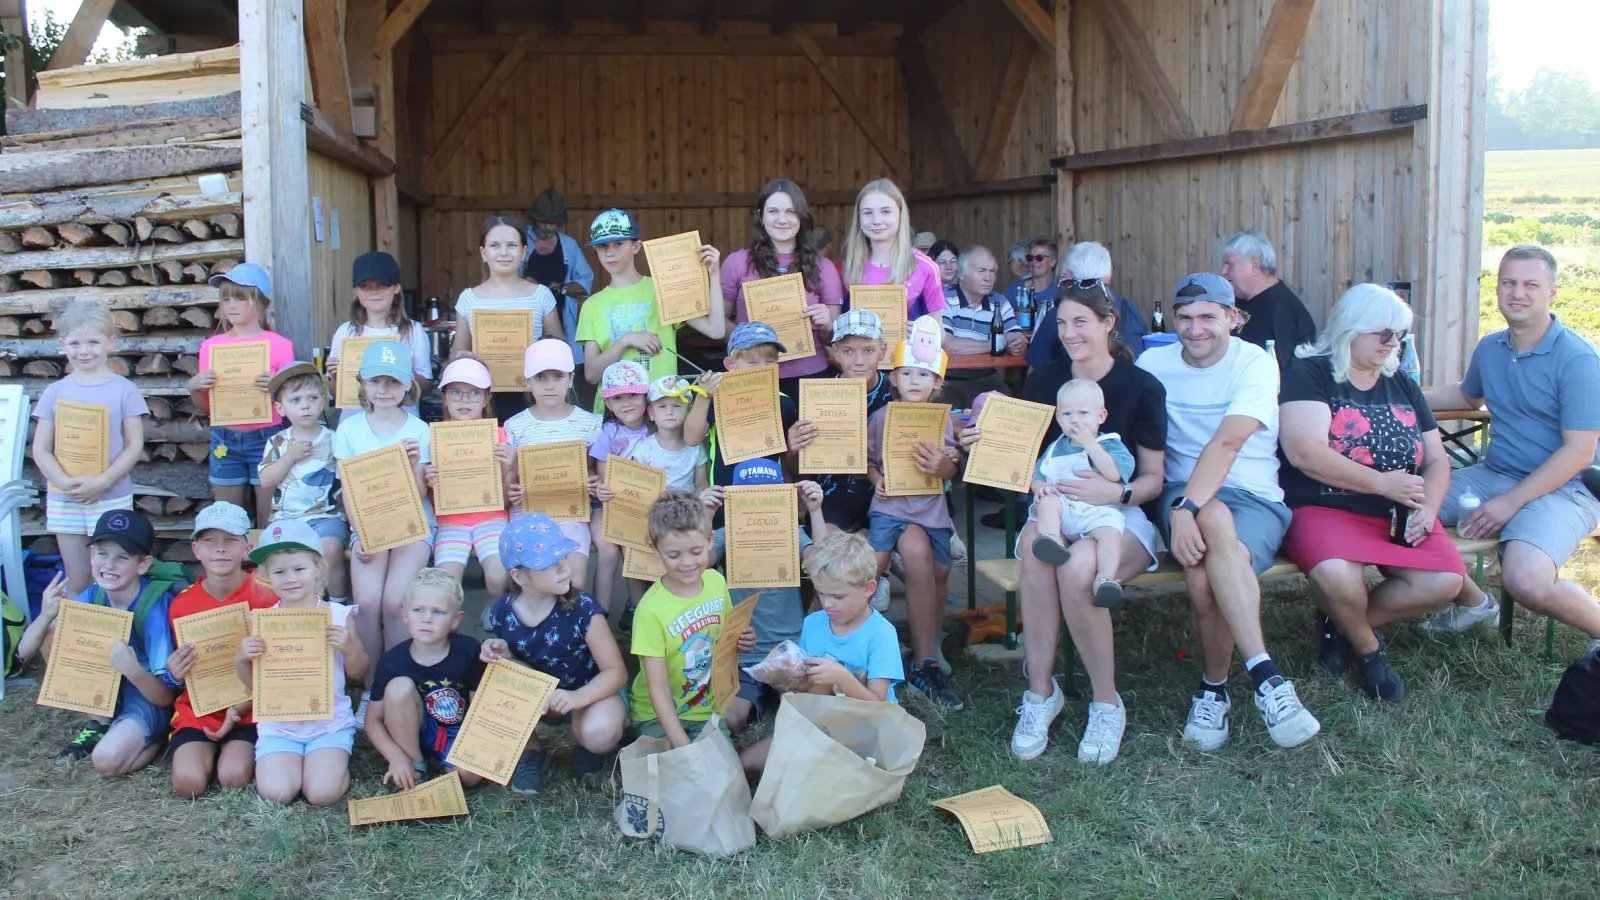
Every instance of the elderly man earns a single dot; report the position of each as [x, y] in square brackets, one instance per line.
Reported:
[1041, 277]
[1088, 263]
[554, 260]
[1270, 310]
[968, 323]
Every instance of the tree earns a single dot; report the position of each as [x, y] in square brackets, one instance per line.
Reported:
[47, 34]
[1557, 110]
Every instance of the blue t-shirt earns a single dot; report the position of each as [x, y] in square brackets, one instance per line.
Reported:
[153, 644]
[556, 646]
[1534, 396]
[871, 651]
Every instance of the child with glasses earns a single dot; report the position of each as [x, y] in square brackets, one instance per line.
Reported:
[465, 385]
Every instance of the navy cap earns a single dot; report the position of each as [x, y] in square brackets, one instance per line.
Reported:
[127, 529]
[375, 266]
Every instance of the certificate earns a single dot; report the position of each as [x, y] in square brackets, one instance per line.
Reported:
[996, 819]
[781, 302]
[469, 473]
[382, 487]
[749, 420]
[642, 565]
[213, 683]
[904, 424]
[501, 338]
[625, 518]
[430, 800]
[235, 399]
[838, 408]
[294, 675]
[1012, 431]
[683, 291]
[889, 302]
[555, 480]
[79, 675]
[763, 533]
[346, 387]
[82, 438]
[725, 653]
[506, 707]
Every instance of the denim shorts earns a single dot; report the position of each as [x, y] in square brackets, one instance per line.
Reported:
[883, 532]
[236, 454]
[155, 721]
[330, 527]
[343, 739]
[1259, 523]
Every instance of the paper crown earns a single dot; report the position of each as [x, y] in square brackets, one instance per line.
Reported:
[923, 347]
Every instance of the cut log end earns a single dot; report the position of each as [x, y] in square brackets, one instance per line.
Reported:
[166, 234]
[35, 326]
[114, 278]
[80, 235]
[45, 279]
[153, 364]
[161, 317]
[160, 409]
[127, 321]
[198, 229]
[119, 233]
[84, 277]
[148, 275]
[188, 365]
[223, 266]
[228, 224]
[118, 365]
[41, 368]
[11, 242]
[151, 506]
[195, 273]
[142, 227]
[37, 238]
[197, 317]
[10, 327]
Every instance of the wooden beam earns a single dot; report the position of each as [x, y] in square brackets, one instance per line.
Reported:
[79, 39]
[638, 16]
[895, 158]
[396, 25]
[386, 188]
[56, 209]
[43, 121]
[1066, 143]
[1148, 76]
[39, 302]
[765, 45]
[70, 258]
[1280, 45]
[330, 75]
[929, 12]
[1005, 108]
[329, 138]
[710, 17]
[1027, 184]
[728, 199]
[31, 173]
[153, 131]
[1035, 21]
[361, 21]
[152, 44]
[14, 21]
[449, 144]
[924, 90]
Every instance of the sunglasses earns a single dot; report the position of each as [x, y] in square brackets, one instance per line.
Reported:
[1038, 257]
[1390, 336]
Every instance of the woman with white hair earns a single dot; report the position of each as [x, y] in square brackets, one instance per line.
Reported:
[1365, 474]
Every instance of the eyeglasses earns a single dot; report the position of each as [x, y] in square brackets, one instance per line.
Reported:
[1038, 257]
[457, 395]
[1390, 336]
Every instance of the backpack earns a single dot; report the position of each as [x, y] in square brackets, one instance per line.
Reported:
[11, 635]
[1574, 712]
[165, 578]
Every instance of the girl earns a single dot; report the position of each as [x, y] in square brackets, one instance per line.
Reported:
[946, 256]
[553, 626]
[73, 503]
[878, 250]
[236, 451]
[664, 447]
[622, 388]
[311, 758]
[376, 309]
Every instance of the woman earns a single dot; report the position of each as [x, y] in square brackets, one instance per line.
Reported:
[878, 250]
[1086, 323]
[1364, 456]
[945, 255]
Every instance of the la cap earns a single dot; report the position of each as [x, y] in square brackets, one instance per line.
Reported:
[386, 358]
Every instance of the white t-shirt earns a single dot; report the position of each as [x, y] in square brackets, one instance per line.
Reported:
[416, 341]
[356, 437]
[678, 464]
[579, 425]
[1243, 383]
[343, 717]
[540, 300]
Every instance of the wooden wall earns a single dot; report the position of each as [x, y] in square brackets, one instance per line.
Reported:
[344, 191]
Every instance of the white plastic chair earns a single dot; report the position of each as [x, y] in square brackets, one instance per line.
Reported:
[15, 494]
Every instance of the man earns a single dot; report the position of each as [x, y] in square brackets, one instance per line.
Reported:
[1041, 262]
[1018, 260]
[554, 260]
[1087, 261]
[967, 323]
[1540, 381]
[1222, 511]
[1271, 311]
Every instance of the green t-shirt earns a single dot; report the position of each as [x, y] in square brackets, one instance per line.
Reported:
[616, 311]
[681, 630]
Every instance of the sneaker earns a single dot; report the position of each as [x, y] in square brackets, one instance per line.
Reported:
[1455, 618]
[1383, 682]
[586, 764]
[931, 682]
[1107, 592]
[361, 714]
[528, 778]
[81, 746]
[897, 567]
[1207, 727]
[880, 597]
[1333, 651]
[1047, 549]
[1289, 722]
[1032, 733]
[1102, 736]
[625, 624]
[958, 550]
[486, 619]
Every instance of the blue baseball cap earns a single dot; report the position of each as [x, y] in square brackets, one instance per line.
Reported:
[246, 275]
[1213, 288]
[534, 541]
[758, 471]
[613, 225]
[386, 358]
[754, 334]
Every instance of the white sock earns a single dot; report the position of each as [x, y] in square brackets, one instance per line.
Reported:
[1486, 602]
[1258, 658]
[342, 601]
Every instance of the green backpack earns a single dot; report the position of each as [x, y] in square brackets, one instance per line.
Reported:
[15, 623]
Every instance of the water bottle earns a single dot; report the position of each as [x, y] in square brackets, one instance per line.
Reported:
[1409, 364]
[1025, 308]
[1272, 349]
[1466, 505]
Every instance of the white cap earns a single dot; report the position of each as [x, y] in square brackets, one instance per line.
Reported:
[222, 516]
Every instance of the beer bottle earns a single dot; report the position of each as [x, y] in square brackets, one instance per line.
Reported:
[1158, 322]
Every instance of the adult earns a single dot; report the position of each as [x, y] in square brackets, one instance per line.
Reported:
[1539, 380]
[1270, 310]
[1041, 277]
[878, 250]
[1361, 447]
[967, 324]
[1088, 264]
[1222, 511]
[501, 248]
[554, 259]
[946, 255]
[1017, 261]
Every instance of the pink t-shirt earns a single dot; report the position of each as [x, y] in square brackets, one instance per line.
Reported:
[924, 291]
[280, 352]
[469, 519]
[737, 269]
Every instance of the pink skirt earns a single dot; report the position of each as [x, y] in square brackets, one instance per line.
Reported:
[1318, 533]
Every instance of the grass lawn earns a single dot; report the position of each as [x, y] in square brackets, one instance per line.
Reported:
[1564, 179]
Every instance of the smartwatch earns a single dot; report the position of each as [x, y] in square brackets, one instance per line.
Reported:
[1127, 495]
[1182, 502]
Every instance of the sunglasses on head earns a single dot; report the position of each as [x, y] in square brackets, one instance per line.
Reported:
[1037, 257]
[1083, 284]
[1391, 336]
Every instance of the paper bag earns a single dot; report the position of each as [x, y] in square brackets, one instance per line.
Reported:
[692, 798]
[862, 751]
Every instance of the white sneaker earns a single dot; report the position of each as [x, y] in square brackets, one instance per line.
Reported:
[1102, 736]
[1288, 721]
[958, 550]
[1455, 618]
[361, 714]
[1032, 733]
[1208, 722]
[897, 567]
[880, 597]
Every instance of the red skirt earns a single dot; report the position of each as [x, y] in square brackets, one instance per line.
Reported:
[1317, 533]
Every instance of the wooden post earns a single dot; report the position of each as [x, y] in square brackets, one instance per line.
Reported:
[14, 21]
[1066, 98]
[75, 45]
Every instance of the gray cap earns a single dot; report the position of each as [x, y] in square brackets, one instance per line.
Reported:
[222, 516]
[1216, 289]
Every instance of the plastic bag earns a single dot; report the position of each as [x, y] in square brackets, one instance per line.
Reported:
[784, 668]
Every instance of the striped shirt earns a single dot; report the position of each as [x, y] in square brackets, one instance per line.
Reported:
[963, 321]
[579, 425]
[541, 301]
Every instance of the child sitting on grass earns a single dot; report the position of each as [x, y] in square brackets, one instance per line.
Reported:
[298, 467]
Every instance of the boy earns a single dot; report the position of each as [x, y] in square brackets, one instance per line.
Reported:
[677, 625]
[423, 685]
[119, 557]
[223, 742]
[298, 467]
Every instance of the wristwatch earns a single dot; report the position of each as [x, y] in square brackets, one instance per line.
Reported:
[1127, 496]
[1182, 502]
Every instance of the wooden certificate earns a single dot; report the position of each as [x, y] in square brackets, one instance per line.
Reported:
[1012, 431]
[469, 473]
[555, 480]
[82, 438]
[235, 399]
[79, 675]
[382, 487]
[625, 518]
[346, 388]
[294, 676]
[781, 302]
[430, 800]
[501, 338]
[642, 565]
[763, 533]
[213, 683]
[749, 419]
[904, 424]
[507, 705]
[838, 408]
[683, 291]
[725, 653]
[889, 302]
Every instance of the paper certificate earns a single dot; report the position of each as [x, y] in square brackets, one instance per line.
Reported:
[904, 424]
[725, 653]
[763, 534]
[83, 438]
[749, 420]
[469, 473]
[508, 704]
[213, 683]
[838, 408]
[235, 399]
[996, 819]
[382, 487]
[683, 291]
[501, 338]
[555, 480]
[642, 565]
[1012, 432]
[79, 675]
[625, 518]
[781, 302]
[889, 302]
[293, 679]
[346, 387]
[430, 800]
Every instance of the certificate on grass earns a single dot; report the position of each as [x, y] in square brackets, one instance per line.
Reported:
[82, 438]
[625, 518]
[644, 565]
[780, 301]
[346, 387]
[430, 800]
[725, 653]
[683, 291]
[1012, 431]
[889, 302]
[469, 473]
[763, 535]
[996, 819]
[749, 420]
[904, 424]
[382, 487]
[235, 398]
[508, 704]
[293, 679]
[838, 408]
[79, 675]
[501, 338]
[555, 480]
[213, 683]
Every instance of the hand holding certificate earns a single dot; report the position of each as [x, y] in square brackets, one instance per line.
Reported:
[430, 800]
[904, 426]
[683, 288]
[889, 302]
[346, 387]
[212, 681]
[293, 677]
[79, 675]
[501, 338]
[838, 409]
[763, 534]
[469, 473]
[235, 397]
[82, 438]
[749, 419]
[781, 302]
[508, 704]
[625, 518]
[725, 653]
[1005, 454]
[382, 488]
[555, 480]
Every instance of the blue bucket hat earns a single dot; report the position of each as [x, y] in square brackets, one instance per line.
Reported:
[753, 334]
[386, 358]
[246, 275]
[534, 541]
[613, 225]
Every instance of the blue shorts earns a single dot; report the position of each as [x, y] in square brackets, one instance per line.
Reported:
[1556, 523]
[330, 527]
[155, 721]
[236, 454]
[1259, 523]
[883, 532]
[343, 739]
[437, 740]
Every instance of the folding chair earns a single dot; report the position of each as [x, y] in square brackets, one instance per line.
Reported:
[15, 494]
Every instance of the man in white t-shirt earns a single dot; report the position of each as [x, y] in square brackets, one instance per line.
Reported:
[1222, 512]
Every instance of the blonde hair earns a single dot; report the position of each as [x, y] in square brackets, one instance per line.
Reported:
[412, 398]
[675, 512]
[231, 291]
[85, 314]
[843, 557]
[431, 577]
[1081, 385]
[858, 250]
[321, 564]
[769, 353]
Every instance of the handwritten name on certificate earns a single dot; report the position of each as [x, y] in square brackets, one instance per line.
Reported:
[555, 480]
[213, 683]
[625, 518]
[683, 289]
[508, 704]
[430, 800]
[382, 487]
[725, 653]
[889, 302]
[469, 473]
[235, 399]
[293, 679]
[838, 408]
[79, 675]
[780, 301]
[904, 424]
[501, 338]
[346, 388]
[83, 438]
[763, 533]
[749, 420]
[1005, 455]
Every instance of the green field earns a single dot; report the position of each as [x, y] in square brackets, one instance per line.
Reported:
[1568, 179]
[1548, 197]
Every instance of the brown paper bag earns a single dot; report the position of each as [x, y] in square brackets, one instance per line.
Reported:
[832, 759]
[693, 798]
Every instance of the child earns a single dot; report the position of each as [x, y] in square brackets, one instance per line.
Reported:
[222, 742]
[678, 623]
[73, 503]
[297, 466]
[378, 310]
[1080, 410]
[246, 292]
[664, 447]
[622, 390]
[465, 385]
[879, 251]
[918, 526]
[424, 684]
[853, 649]
[500, 245]
[559, 630]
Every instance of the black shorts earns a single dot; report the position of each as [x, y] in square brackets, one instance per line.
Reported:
[246, 733]
[846, 512]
